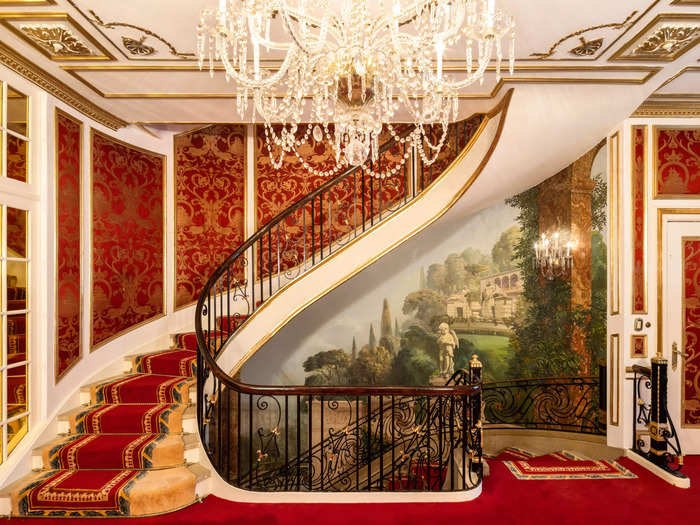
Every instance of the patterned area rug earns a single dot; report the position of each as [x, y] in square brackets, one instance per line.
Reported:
[563, 465]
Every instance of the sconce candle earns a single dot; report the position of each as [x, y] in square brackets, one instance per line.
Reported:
[552, 258]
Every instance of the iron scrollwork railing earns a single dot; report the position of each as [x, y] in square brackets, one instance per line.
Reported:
[249, 431]
[654, 437]
[570, 404]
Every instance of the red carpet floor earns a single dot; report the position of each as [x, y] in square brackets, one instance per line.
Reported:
[506, 500]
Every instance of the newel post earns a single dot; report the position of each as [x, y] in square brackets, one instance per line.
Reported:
[658, 420]
[475, 378]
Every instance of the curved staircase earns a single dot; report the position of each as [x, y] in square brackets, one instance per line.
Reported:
[131, 449]
[128, 450]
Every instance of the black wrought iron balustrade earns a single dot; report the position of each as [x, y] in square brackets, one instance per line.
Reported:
[570, 404]
[398, 437]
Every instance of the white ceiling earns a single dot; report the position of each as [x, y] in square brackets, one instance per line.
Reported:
[563, 104]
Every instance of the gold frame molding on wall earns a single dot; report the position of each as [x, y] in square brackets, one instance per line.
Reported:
[683, 424]
[655, 166]
[661, 17]
[641, 337]
[614, 218]
[649, 72]
[501, 107]
[34, 74]
[43, 16]
[163, 157]
[614, 364]
[645, 219]
[60, 113]
[660, 214]
[245, 200]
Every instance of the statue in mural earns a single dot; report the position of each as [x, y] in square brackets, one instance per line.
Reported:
[448, 342]
[488, 301]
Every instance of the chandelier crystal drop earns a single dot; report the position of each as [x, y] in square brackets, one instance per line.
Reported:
[352, 66]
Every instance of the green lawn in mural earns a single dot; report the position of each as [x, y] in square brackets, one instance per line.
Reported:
[494, 353]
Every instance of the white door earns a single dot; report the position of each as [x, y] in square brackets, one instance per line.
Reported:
[681, 326]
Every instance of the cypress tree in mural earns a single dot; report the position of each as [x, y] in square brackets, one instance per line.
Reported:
[372, 337]
[353, 354]
[397, 332]
[385, 330]
[422, 284]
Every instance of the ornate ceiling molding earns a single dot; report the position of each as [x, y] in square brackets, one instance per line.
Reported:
[20, 65]
[56, 35]
[685, 70]
[26, 3]
[667, 109]
[134, 47]
[575, 75]
[664, 39]
[614, 25]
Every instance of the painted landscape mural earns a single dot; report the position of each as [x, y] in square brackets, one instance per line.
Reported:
[460, 289]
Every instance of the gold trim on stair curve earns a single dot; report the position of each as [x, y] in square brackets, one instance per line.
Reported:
[500, 108]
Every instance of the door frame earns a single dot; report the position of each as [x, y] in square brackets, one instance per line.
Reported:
[693, 215]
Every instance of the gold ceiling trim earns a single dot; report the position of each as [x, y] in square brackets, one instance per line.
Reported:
[614, 25]
[602, 51]
[643, 37]
[98, 24]
[688, 69]
[20, 65]
[41, 16]
[111, 25]
[650, 109]
[649, 71]
[27, 3]
[685, 2]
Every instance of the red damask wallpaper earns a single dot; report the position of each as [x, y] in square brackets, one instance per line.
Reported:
[639, 292]
[209, 199]
[68, 220]
[678, 162]
[127, 237]
[691, 332]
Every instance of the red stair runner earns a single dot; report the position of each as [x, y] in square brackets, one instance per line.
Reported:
[172, 363]
[127, 419]
[105, 451]
[145, 388]
[114, 441]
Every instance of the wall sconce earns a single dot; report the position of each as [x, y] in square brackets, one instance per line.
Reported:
[553, 258]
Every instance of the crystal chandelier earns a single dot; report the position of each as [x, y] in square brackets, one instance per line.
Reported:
[552, 257]
[351, 66]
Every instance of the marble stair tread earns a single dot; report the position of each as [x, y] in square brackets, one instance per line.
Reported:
[135, 451]
[146, 492]
[171, 418]
[140, 388]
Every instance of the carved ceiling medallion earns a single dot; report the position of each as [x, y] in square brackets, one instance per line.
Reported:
[137, 47]
[664, 39]
[667, 40]
[587, 48]
[584, 50]
[57, 40]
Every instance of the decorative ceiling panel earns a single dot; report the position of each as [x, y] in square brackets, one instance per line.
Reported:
[153, 30]
[664, 39]
[187, 82]
[56, 35]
